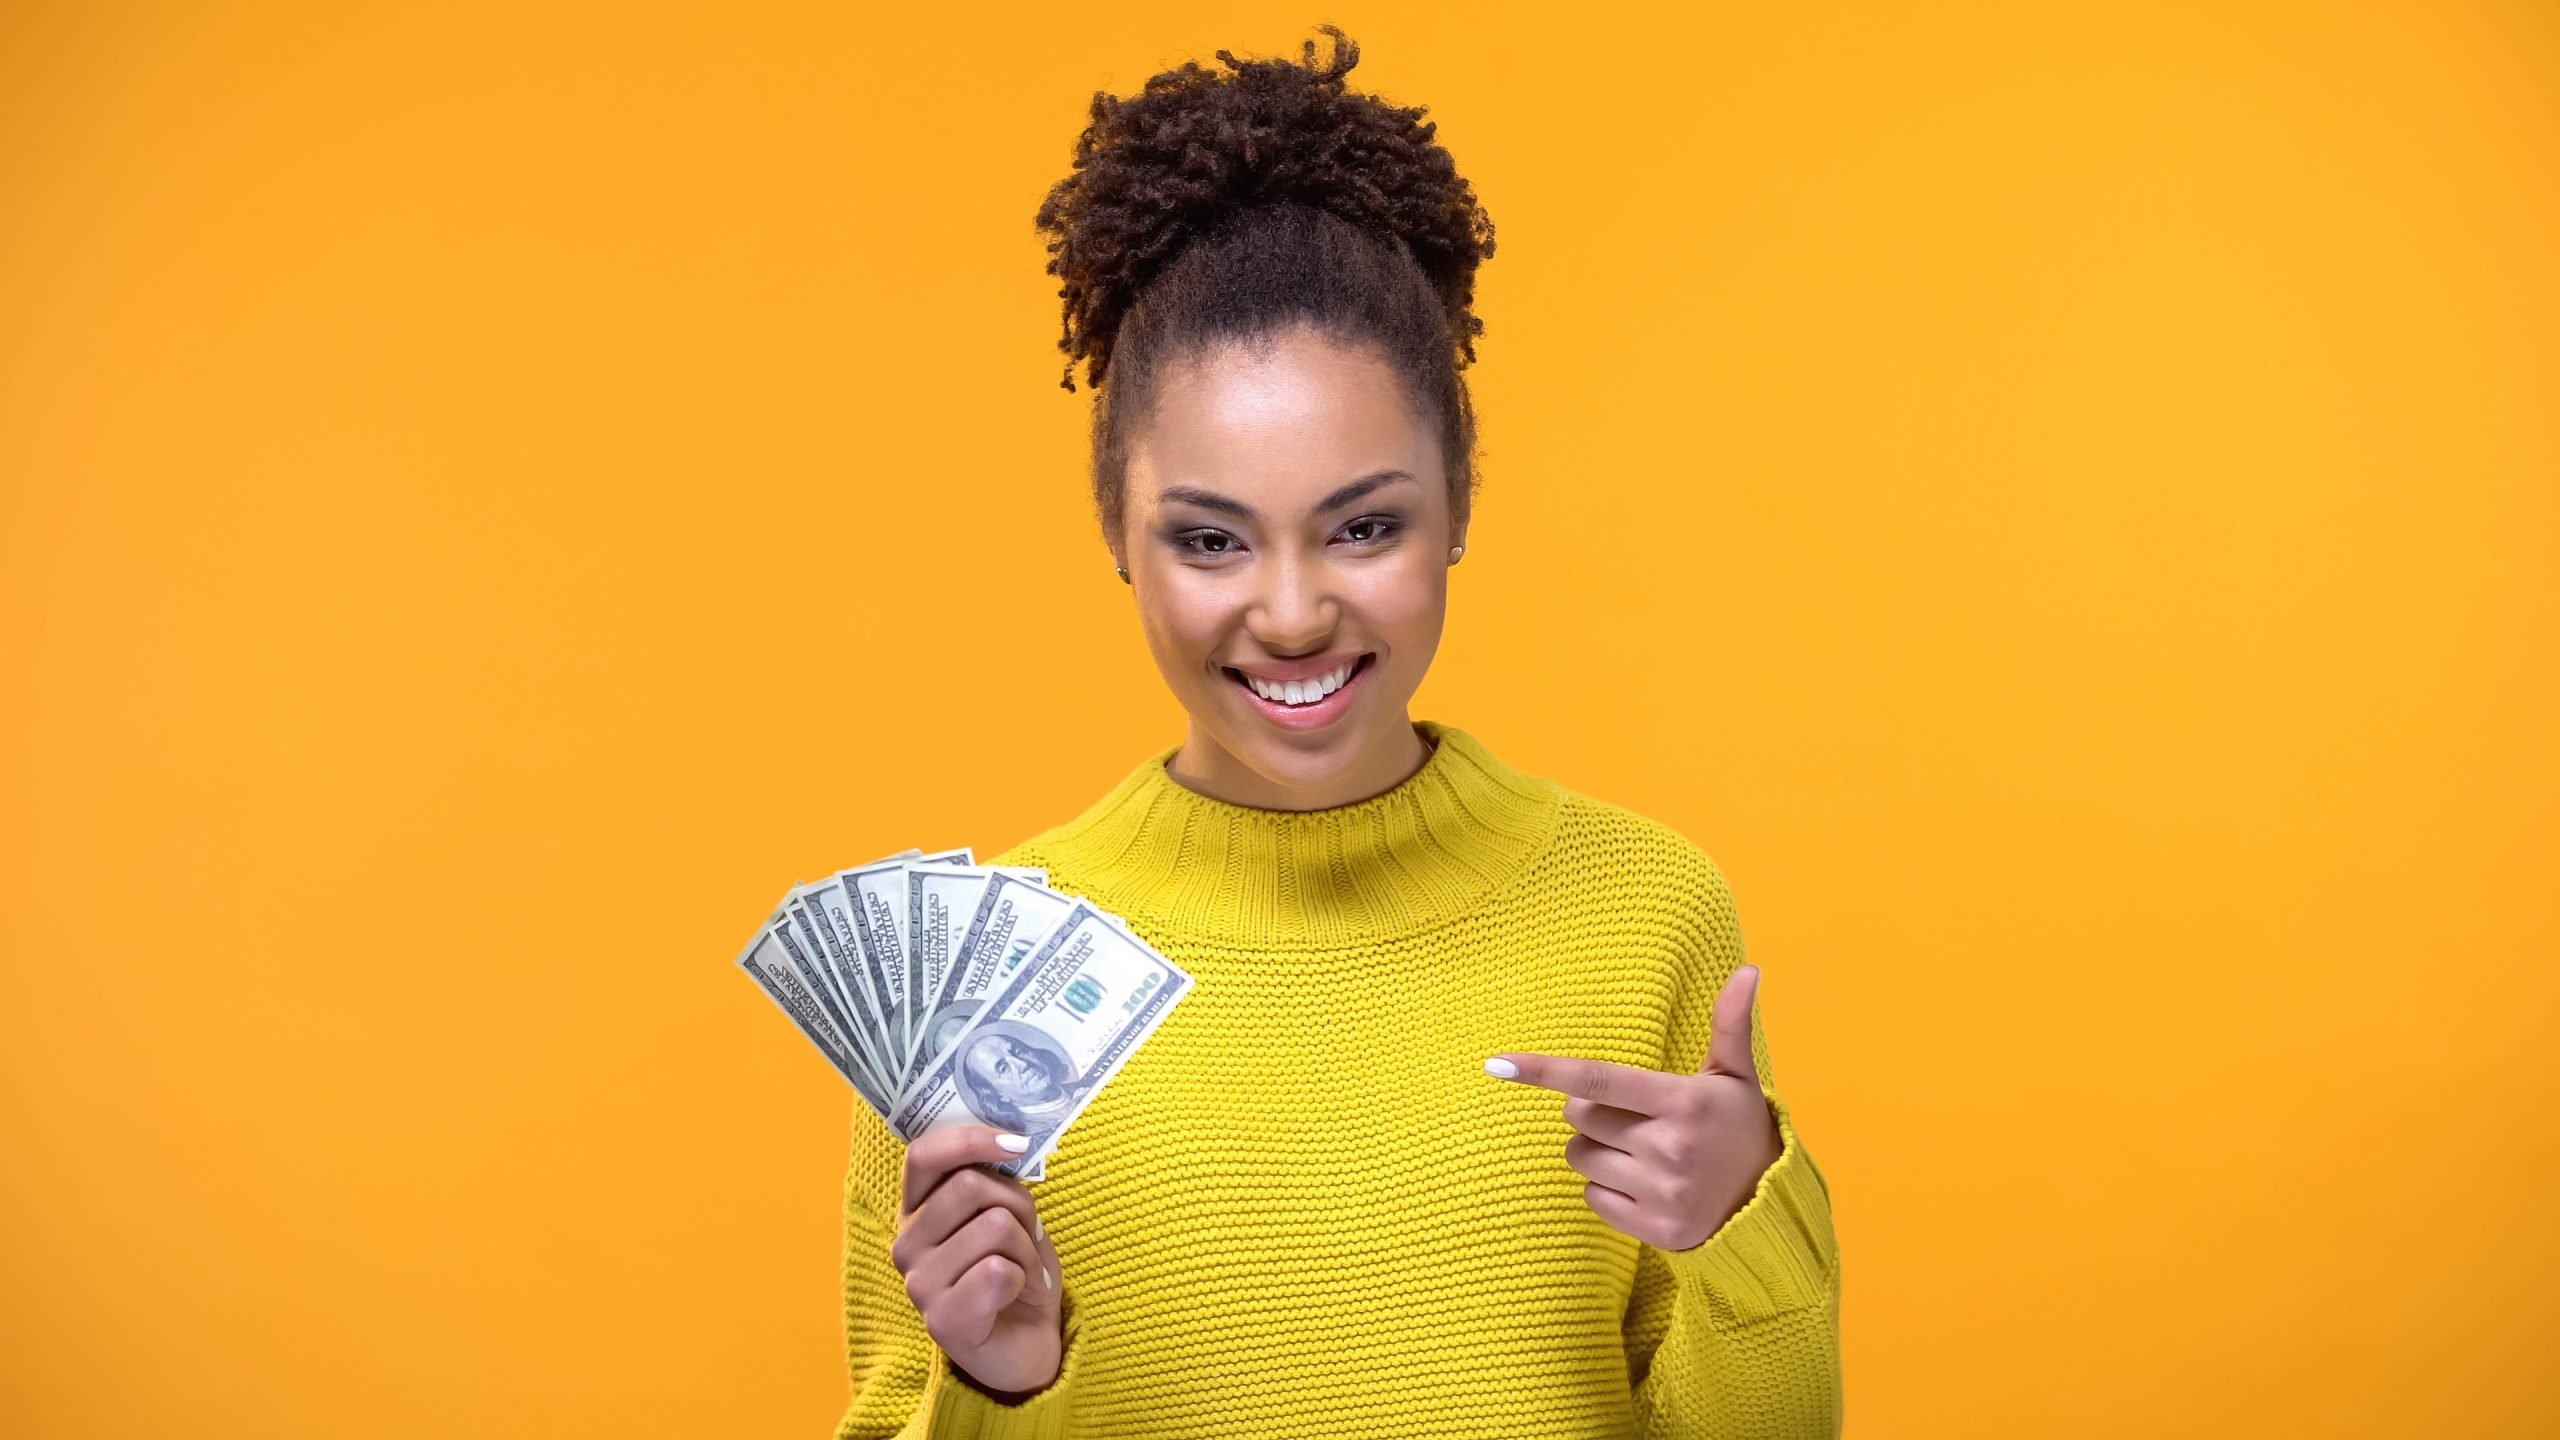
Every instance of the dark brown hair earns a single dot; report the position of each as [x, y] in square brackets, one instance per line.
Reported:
[1227, 206]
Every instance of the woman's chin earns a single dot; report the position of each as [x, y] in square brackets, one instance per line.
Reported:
[1311, 760]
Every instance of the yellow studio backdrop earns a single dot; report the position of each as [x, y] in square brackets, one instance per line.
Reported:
[2062, 501]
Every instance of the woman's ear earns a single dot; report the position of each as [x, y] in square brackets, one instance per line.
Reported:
[1119, 548]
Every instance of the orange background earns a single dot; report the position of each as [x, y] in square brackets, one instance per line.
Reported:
[2062, 501]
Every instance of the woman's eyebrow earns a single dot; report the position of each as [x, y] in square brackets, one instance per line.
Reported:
[1212, 500]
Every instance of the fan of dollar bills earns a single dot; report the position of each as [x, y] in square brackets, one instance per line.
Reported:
[953, 993]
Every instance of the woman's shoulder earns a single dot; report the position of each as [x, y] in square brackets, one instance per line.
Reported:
[1647, 862]
[1619, 836]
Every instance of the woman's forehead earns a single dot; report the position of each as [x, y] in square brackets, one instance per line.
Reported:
[1280, 430]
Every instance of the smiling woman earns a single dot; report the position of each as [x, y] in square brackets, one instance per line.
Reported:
[1292, 614]
[1305, 1209]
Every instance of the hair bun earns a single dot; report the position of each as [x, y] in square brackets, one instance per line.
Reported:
[1196, 146]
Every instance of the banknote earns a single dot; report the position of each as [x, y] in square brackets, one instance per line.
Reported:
[779, 928]
[941, 901]
[891, 915]
[935, 916]
[1050, 1036]
[828, 898]
[1012, 916]
[769, 963]
[860, 944]
[891, 968]
[878, 893]
[830, 915]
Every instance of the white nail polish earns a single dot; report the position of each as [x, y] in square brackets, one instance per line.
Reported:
[1039, 1227]
[1049, 1276]
[1015, 1143]
[1497, 1066]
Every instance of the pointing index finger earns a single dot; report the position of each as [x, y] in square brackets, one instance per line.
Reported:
[1627, 1087]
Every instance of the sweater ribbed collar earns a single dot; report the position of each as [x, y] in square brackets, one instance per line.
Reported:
[1431, 848]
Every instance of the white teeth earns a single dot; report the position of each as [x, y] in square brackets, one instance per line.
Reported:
[1300, 692]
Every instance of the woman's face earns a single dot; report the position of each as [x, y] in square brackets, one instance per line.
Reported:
[1287, 517]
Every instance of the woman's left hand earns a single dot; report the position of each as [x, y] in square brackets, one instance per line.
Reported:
[1670, 1157]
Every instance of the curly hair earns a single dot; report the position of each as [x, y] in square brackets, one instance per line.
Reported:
[1226, 206]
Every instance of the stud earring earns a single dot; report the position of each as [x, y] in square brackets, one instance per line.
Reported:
[1455, 551]
[1124, 573]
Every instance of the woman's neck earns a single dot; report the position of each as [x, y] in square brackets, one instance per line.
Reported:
[1205, 767]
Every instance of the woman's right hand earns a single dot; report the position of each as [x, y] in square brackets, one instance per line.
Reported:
[979, 1266]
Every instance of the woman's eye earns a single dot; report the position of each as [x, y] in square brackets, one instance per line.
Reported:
[1369, 529]
[1204, 542]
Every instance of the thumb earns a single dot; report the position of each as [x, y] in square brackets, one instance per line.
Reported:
[1729, 1047]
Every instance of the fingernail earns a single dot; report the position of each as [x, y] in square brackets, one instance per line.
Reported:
[1015, 1143]
[1498, 1066]
[1049, 1277]
[1039, 1227]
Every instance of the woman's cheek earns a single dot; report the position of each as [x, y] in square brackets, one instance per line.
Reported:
[1406, 607]
[1183, 633]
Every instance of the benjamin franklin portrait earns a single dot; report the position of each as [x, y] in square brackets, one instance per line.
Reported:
[1013, 1076]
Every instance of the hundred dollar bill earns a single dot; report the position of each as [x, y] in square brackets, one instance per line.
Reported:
[811, 969]
[879, 895]
[901, 901]
[1011, 917]
[859, 995]
[1058, 1028]
[825, 922]
[873, 1082]
[941, 901]
[857, 978]
[768, 962]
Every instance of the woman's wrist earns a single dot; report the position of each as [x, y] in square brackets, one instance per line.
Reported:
[1001, 1397]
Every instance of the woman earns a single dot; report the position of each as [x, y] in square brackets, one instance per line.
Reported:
[1304, 1208]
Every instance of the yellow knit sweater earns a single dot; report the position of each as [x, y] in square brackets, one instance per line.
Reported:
[1303, 1209]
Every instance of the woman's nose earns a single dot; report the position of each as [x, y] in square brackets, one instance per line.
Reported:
[1295, 609]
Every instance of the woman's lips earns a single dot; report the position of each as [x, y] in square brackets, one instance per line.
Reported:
[1306, 717]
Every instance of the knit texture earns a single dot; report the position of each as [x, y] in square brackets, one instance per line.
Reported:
[1303, 1209]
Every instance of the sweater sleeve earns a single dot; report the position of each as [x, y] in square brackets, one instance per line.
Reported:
[903, 1385]
[1739, 1335]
